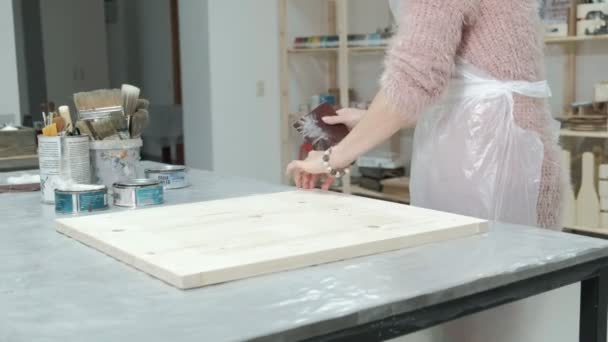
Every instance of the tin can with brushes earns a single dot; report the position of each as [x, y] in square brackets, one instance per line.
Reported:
[105, 123]
[62, 159]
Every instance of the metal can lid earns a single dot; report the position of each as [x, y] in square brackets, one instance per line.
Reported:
[81, 188]
[165, 168]
[137, 182]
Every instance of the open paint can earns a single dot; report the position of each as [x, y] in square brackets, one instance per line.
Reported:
[79, 198]
[170, 176]
[138, 193]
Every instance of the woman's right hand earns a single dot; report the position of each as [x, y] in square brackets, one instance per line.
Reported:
[349, 117]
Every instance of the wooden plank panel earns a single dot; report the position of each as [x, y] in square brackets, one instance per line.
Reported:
[206, 243]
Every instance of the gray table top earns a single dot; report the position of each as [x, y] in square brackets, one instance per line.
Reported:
[55, 289]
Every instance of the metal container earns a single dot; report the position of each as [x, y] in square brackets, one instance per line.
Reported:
[170, 176]
[138, 193]
[115, 161]
[79, 198]
[63, 160]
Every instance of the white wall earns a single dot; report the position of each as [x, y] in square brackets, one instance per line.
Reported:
[22, 72]
[194, 41]
[9, 83]
[245, 127]
[241, 128]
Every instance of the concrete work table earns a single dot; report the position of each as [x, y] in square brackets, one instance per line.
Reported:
[53, 288]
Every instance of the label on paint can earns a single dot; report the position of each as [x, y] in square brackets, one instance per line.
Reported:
[81, 198]
[49, 157]
[138, 193]
[92, 201]
[171, 177]
[124, 197]
[149, 196]
[64, 203]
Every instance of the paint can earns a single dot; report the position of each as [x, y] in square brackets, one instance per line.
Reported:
[114, 161]
[62, 160]
[79, 198]
[138, 193]
[170, 176]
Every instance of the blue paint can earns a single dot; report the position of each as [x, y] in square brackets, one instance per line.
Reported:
[138, 193]
[78, 198]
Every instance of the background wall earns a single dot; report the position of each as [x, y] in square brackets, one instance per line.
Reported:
[9, 83]
[244, 58]
[243, 99]
[194, 41]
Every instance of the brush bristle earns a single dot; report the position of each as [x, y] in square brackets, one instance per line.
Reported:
[102, 98]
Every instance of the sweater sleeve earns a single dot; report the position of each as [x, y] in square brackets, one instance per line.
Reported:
[421, 57]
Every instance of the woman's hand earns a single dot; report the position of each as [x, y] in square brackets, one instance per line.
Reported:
[350, 117]
[306, 173]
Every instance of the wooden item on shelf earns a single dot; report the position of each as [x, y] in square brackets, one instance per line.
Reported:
[211, 242]
[601, 92]
[587, 123]
[556, 30]
[569, 214]
[380, 173]
[17, 143]
[13, 188]
[372, 184]
[588, 205]
[582, 108]
[396, 186]
[603, 191]
[592, 19]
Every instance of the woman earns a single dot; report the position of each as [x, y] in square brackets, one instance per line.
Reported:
[468, 74]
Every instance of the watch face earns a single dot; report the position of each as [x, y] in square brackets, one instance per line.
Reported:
[321, 135]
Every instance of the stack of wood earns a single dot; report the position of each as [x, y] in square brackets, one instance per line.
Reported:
[17, 148]
[21, 142]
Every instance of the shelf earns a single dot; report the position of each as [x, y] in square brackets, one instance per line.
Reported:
[555, 40]
[596, 231]
[575, 39]
[584, 134]
[367, 49]
[312, 50]
[374, 49]
[359, 191]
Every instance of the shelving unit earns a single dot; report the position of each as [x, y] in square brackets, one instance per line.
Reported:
[571, 49]
[338, 75]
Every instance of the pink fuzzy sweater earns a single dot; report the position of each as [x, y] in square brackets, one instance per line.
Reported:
[501, 37]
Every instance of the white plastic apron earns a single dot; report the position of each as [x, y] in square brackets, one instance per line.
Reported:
[471, 158]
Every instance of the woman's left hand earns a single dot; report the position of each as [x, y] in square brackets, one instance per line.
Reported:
[306, 173]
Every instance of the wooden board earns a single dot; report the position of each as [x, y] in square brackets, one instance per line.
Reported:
[211, 242]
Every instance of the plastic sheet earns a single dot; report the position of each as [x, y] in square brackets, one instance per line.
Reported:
[74, 293]
[471, 158]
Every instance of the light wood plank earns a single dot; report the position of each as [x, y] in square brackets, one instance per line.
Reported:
[206, 243]
[576, 39]
[584, 134]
